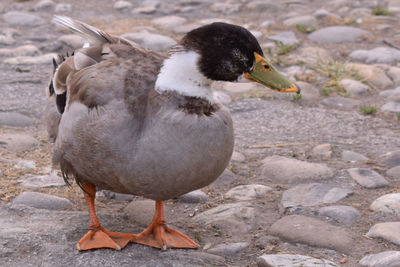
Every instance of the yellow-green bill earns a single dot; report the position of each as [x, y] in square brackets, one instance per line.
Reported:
[263, 72]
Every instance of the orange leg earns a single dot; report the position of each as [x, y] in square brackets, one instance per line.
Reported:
[158, 235]
[98, 237]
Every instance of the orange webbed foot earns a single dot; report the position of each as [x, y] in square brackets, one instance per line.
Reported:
[102, 238]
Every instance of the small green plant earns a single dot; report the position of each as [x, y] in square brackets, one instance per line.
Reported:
[284, 49]
[380, 11]
[305, 29]
[368, 110]
[398, 116]
[296, 97]
[197, 237]
[326, 91]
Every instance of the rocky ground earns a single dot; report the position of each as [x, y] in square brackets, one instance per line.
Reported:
[313, 181]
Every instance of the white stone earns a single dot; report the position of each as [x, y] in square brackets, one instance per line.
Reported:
[337, 34]
[383, 259]
[389, 231]
[122, 5]
[354, 87]
[26, 60]
[152, 41]
[389, 204]
[169, 22]
[248, 192]
[286, 38]
[386, 55]
[24, 50]
[292, 260]
[351, 156]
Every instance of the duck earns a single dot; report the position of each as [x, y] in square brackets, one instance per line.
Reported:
[139, 122]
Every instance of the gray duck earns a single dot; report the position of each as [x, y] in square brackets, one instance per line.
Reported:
[138, 122]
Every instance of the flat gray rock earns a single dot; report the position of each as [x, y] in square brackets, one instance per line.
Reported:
[337, 34]
[389, 231]
[292, 260]
[310, 231]
[73, 40]
[17, 142]
[152, 41]
[374, 74]
[112, 195]
[351, 156]
[230, 249]
[389, 204]
[339, 102]
[232, 218]
[169, 22]
[18, 18]
[24, 50]
[391, 107]
[391, 159]
[286, 38]
[238, 157]
[288, 170]
[367, 178]
[44, 4]
[394, 172]
[15, 119]
[26, 60]
[142, 212]
[248, 192]
[323, 151]
[226, 178]
[306, 21]
[354, 87]
[122, 5]
[314, 194]
[42, 201]
[390, 92]
[343, 214]
[383, 259]
[385, 55]
[196, 196]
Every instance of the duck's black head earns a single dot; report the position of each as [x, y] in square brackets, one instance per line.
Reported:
[229, 51]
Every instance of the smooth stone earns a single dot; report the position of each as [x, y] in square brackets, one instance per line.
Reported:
[25, 50]
[390, 92]
[342, 103]
[395, 97]
[152, 41]
[222, 97]
[323, 151]
[391, 107]
[226, 178]
[373, 74]
[196, 196]
[351, 156]
[314, 194]
[230, 249]
[44, 4]
[7, 39]
[343, 214]
[306, 21]
[310, 55]
[321, 13]
[25, 164]
[389, 231]
[292, 260]
[289, 170]
[25, 60]
[142, 212]
[383, 259]
[267, 23]
[18, 18]
[73, 40]
[286, 38]
[367, 178]
[122, 5]
[388, 204]
[42, 201]
[385, 55]
[63, 8]
[182, 29]
[391, 159]
[248, 192]
[225, 8]
[238, 157]
[117, 196]
[309, 93]
[15, 119]
[169, 22]
[336, 34]
[144, 10]
[17, 142]
[235, 218]
[354, 87]
[237, 89]
[262, 6]
[313, 232]
[394, 172]
[394, 75]
[42, 181]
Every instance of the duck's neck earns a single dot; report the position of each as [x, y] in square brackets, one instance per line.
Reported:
[180, 73]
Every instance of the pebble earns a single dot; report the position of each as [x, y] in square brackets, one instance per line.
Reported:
[323, 151]
[262, 6]
[225, 8]
[142, 212]
[235, 218]
[267, 23]
[388, 204]
[238, 157]
[122, 5]
[385, 55]
[289, 170]
[42, 181]
[226, 178]
[15, 119]
[354, 87]
[25, 60]
[391, 159]
[196, 196]
[25, 164]
[309, 93]
[44, 4]
[145, 10]
[310, 55]
[248, 192]
[394, 172]
[383, 259]
[321, 13]
[339, 102]
[391, 107]
[342, 214]
[390, 92]
[351, 156]
[389, 231]
[117, 196]
[367, 178]
[63, 8]
[286, 38]
[394, 75]
[42, 201]
[306, 21]
[169, 22]
[73, 40]
[373, 74]
[310, 231]
[314, 194]
[228, 250]
[292, 260]
[17, 142]
[337, 34]
[152, 41]
[18, 18]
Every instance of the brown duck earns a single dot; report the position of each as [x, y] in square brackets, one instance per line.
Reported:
[137, 122]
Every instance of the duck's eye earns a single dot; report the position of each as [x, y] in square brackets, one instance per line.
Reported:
[267, 67]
